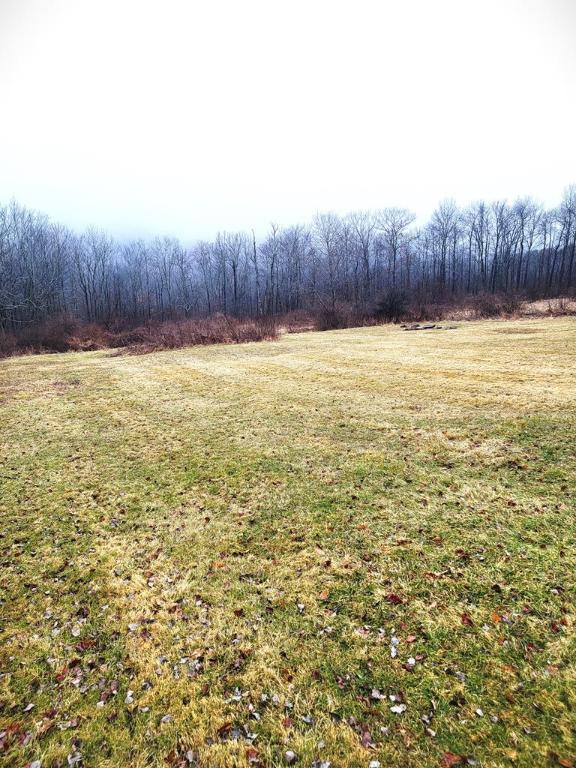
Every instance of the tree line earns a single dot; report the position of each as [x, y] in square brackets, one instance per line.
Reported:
[48, 270]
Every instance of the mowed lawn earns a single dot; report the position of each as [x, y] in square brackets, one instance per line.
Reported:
[336, 548]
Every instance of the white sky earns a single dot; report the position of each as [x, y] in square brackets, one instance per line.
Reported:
[184, 117]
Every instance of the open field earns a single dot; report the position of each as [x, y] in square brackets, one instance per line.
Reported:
[216, 555]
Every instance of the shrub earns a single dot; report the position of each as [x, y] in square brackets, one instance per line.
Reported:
[340, 315]
[329, 319]
[217, 329]
[511, 303]
[49, 336]
[496, 305]
[392, 307]
[297, 320]
[61, 334]
[8, 344]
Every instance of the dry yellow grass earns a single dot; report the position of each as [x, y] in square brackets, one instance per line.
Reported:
[239, 535]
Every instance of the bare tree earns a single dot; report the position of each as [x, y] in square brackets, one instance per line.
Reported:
[47, 271]
[395, 223]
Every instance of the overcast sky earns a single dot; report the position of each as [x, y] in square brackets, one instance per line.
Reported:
[185, 117]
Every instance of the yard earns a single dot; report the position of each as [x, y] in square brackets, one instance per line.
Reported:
[341, 548]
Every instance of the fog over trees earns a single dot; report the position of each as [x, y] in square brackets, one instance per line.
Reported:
[48, 270]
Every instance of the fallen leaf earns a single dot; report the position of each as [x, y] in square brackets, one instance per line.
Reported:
[394, 599]
[366, 740]
[449, 759]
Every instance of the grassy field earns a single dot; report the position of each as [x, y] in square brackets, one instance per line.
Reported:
[355, 546]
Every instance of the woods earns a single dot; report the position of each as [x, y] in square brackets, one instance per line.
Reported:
[364, 260]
